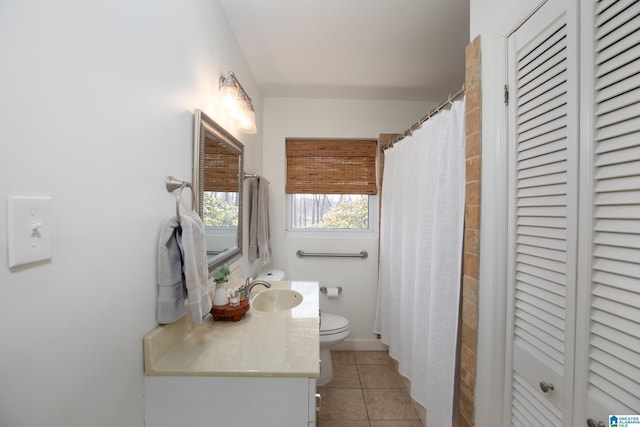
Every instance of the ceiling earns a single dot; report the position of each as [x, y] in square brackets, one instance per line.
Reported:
[357, 49]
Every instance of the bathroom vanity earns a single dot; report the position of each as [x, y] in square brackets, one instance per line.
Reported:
[260, 370]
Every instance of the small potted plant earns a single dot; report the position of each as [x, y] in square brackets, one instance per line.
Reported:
[221, 274]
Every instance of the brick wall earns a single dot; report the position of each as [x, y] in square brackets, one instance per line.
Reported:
[471, 248]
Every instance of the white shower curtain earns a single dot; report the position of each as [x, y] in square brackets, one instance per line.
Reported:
[421, 238]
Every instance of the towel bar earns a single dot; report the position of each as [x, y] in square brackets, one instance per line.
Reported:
[250, 175]
[300, 254]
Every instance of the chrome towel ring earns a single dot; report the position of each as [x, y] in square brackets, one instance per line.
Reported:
[174, 184]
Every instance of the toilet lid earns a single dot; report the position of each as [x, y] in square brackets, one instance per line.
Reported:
[332, 323]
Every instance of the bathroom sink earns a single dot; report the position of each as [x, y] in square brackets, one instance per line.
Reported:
[276, 300]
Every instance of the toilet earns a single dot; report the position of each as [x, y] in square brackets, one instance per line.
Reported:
[333, 330]
[271, 274]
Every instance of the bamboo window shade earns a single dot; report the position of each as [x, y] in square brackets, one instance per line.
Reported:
[222, 166]
[331, 166]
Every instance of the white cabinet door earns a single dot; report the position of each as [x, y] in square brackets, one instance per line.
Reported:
[608, 338]
[543, 195]
[575, 250]
[228, 401]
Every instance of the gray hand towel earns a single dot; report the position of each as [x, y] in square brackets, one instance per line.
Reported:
[264, 233]
[170, 305]
[195, 268]
[253, 220]
[182, 266]
[259, 232]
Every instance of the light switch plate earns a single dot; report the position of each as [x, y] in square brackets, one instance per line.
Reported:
[29, 229]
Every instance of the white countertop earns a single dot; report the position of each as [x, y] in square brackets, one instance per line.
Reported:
[276, 344]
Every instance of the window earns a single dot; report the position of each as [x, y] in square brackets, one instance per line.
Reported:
[220, 209]
[331, 183]
[330, 211]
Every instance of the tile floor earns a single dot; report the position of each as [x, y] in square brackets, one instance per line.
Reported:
[366, 391]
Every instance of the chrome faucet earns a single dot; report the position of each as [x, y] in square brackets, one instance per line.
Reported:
[245, 290]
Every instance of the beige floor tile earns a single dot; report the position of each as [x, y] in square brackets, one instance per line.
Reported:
[342, 404]
[341, 357]
[379, 376]
[389, 423]
[345, 376]
[389, 404]
[372, 358]
[342, 423]
[366, 391]
[422, 413]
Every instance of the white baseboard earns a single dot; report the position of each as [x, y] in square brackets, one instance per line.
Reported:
[360, 344]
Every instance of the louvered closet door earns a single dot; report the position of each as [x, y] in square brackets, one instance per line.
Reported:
[609, 333]
[543, 86]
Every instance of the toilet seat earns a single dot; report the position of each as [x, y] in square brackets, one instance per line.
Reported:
[332, 324]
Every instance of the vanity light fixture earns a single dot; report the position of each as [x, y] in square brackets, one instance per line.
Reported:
[238, 103]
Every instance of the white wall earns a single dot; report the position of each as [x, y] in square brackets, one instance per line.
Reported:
[96, 110]
[498, 16]
[289, 117]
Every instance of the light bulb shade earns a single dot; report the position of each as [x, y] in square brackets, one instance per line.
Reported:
[229, 97]
[248, 120]
[237, 103]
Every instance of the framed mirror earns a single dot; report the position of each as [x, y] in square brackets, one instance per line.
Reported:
[218, 173]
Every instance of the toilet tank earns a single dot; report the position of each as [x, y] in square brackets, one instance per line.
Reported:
[271, 274]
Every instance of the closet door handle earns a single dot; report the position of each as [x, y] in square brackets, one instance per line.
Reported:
[593, 423]
[545, 386]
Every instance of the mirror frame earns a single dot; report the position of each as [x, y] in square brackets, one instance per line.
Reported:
[206, 126]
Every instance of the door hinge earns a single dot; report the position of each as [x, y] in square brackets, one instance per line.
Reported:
[506, 95]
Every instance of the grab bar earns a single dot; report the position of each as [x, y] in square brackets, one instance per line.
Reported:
[300, 254]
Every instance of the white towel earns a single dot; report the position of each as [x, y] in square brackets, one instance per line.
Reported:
[259, 232]
[182, 265]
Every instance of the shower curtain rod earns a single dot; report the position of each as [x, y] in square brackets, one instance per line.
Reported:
[426, 117]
